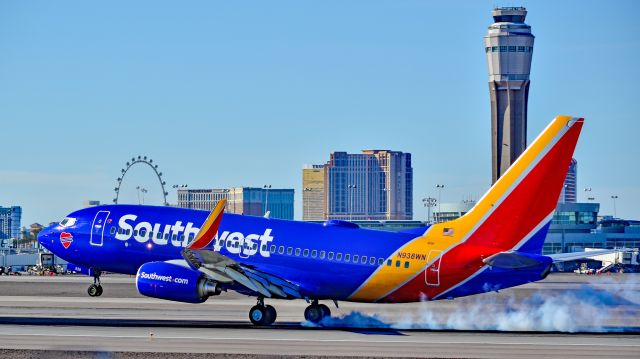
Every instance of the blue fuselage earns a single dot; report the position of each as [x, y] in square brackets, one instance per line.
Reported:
[328, 261]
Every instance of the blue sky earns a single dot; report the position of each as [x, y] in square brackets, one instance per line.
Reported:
[244, 93]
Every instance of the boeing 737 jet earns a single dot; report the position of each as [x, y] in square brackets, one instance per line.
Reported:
[189, 255]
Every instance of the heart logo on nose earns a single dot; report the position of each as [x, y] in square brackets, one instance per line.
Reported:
[66, 239]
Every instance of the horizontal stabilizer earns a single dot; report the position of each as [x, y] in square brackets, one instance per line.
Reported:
[564, 257]
[516, 260]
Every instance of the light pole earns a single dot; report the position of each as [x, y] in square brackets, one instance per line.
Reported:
[266, 204]
[177, 187]
[352, 188]
[143, 190]
[614, 197]
[429, 202]
[439, 187]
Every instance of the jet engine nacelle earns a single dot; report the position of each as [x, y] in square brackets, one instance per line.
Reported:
[174, 282]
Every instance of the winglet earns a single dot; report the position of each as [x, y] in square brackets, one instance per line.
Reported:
[209, 228]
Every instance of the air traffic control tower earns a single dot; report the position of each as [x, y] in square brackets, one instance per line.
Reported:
[509, 47]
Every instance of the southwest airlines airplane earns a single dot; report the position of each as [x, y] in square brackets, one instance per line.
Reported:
[189, 255]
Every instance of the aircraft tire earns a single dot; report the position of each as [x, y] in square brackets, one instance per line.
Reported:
[93, 290]
[326, 312]
[99, 293]
[258, 315]
[313, 313]
[271, 314]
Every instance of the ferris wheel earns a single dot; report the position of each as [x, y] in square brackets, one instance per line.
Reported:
[143, 160]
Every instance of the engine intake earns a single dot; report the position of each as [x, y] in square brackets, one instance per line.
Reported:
[174, 282]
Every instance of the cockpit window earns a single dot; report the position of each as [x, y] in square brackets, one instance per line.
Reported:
[68, 222]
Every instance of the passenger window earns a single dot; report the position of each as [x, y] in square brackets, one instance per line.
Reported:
[289, 251]
[347, 257]
[143, 233]
[272, 249]
[380, 261]
[355, 258]
[322, 253]
[338, 256]
[389, 261]
[305, 253]
[314, 253]
[222, 242]
[372, 261]
[281, 250]
[174, 237]
[398, 264]
[264, 247]
[298, 250]
[150, 234]
[166, 235]
[255, 246]
[135, 232]
[191, 236]
[128, 231]
[120, 230]
[331, 256]
[406, 264]
[181, 237]
[113, 230]
[363, 260]
[159, 235]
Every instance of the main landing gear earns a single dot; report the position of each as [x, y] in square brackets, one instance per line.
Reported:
[316, 312]
[95, 290]
[262, 314]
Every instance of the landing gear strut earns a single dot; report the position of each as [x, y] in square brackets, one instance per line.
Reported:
[316, 312]
[95, 290]
[261, 314]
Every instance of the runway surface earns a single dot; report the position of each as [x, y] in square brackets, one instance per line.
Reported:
[54, 313]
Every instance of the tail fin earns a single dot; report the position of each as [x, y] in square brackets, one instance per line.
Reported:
[516, 211]
[513, 214]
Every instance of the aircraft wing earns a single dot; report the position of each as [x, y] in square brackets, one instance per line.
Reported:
[223, 269]
[563, 257]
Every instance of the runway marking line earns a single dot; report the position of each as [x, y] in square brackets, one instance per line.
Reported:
[156, 337]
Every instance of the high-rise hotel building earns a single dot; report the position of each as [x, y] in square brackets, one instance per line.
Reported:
[372, 185]
[313, 193]
[509, 48]
[9, 223]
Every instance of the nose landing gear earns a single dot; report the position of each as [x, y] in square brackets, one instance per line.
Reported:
[95, 289]
[261, 314]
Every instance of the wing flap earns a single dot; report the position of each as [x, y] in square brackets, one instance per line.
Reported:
[224, 269]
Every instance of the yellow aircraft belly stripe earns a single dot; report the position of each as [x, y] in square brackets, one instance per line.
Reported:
[388, 278]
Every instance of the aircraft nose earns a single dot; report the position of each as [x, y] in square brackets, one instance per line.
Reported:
[46, 237]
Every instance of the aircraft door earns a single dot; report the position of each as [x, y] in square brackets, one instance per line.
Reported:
[432, 273]
[97, 228]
